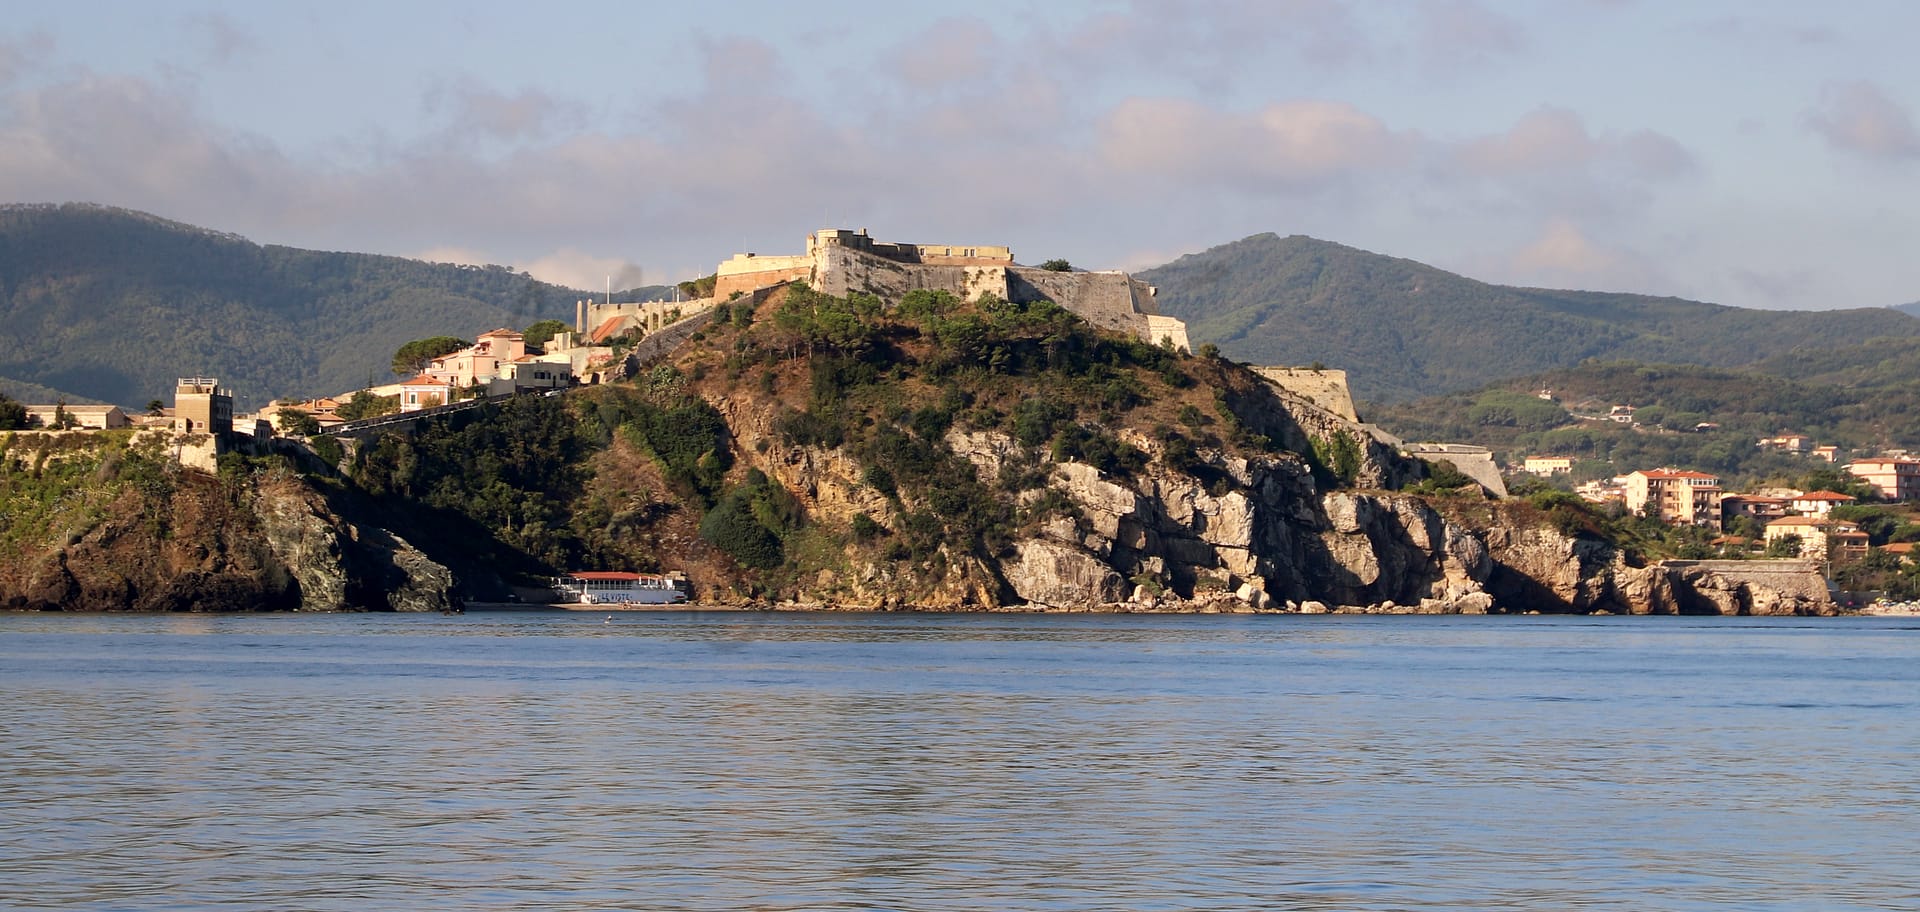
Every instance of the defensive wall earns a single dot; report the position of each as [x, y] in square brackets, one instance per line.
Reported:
[1475, 462]
[1791, 577]
[1325, 388]
[648, 315]
[840, 262]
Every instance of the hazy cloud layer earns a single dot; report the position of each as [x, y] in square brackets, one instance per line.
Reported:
[1125, 135]
[1859, 118]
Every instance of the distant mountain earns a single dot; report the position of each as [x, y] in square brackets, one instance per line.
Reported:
[1404, 329]
[35, 394]
[1703, 418]
[114, 305]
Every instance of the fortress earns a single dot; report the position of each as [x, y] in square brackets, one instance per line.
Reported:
[839, 261]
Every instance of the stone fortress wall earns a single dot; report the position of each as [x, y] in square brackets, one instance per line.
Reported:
[839, 261]
[648, 315]
[1323, 387]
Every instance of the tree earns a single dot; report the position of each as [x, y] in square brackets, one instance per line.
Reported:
[1784, 546]
[699, 288]
[542, 332]
[156, 408]
[364, 404]
[13, 415]
[413, 357]
[1057, 266]
[299, 423]
[63, 419]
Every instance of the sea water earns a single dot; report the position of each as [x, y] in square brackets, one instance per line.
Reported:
[728, 761]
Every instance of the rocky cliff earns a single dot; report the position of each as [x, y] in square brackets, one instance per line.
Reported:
[105, 522]
[934, 485]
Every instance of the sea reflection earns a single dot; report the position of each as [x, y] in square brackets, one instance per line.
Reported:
[726, 761]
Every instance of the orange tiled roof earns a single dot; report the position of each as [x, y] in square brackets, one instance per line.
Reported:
[1824, 495]
[607, 329]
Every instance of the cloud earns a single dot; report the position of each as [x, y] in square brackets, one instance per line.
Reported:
[21, 54]
[1796, 289]
[1565, 256]
[576, 269]
[125, 141]
[472, 108]
[1857, 118]
[948, 52]
[1203, 42]
[1455, 32]
[1557, 140]
[223, 38]
[1286, 143]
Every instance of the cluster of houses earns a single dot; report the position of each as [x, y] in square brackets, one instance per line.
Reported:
[496, 364]
[1682, 497]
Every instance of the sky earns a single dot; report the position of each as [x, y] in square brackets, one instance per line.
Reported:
[1754, 153]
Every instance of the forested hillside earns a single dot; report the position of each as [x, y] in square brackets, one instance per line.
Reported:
[1403, 329]
[113, 305]
[1694, 417]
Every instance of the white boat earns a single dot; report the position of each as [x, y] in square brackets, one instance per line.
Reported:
[612, 587]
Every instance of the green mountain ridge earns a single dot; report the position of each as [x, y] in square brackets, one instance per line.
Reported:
[1403, 329]
[1690, 416]
[113, 305]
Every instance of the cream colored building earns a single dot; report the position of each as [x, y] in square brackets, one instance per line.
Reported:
[1675, 497]
[1548, 466]
[88, 417]
[424, 392]
[1819, 538]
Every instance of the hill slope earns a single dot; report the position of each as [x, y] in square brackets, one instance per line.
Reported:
[1405, 329]
[113, 305]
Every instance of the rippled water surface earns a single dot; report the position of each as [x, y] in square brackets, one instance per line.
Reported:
[804, 761]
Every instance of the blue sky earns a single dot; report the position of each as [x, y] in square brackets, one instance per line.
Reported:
[1762, 154]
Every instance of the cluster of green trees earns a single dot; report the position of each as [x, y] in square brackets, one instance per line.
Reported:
[13, 415]
[512, 476]
[413, 357]
[699, 288]
[55, 487]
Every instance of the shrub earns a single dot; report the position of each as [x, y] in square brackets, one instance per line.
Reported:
[865, 529]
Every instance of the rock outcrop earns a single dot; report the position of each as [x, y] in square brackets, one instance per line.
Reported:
[171, 538]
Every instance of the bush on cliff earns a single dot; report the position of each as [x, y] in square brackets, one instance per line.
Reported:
[751, 520]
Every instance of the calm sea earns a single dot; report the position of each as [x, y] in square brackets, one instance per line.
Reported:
[733, 761]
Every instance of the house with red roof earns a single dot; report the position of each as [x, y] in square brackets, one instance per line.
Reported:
[425, 391]
[479, 362]
[1818, 503]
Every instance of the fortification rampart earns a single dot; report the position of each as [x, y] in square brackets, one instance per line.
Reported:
[1799, 578]
[840, 262]
[1325, 388]
[648, 315]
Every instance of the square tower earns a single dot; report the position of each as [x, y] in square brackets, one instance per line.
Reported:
[200, 406]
